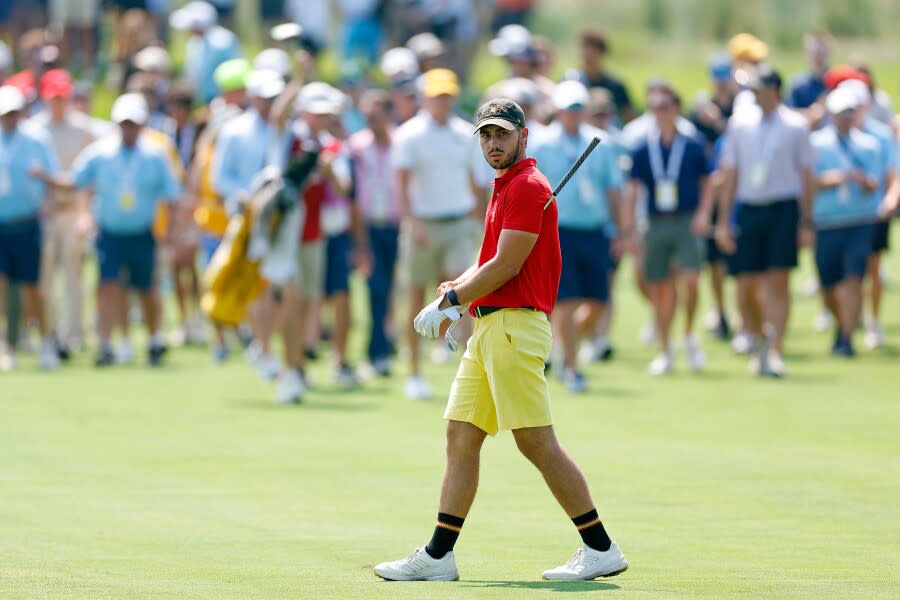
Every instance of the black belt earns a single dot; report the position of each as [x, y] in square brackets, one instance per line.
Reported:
[483, 311]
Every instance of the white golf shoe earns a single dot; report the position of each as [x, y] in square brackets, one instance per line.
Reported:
[419, 566]
[696, 358]
[48, 357]
[662, 364]
[590, 564]
[290, 387]
[417, 388]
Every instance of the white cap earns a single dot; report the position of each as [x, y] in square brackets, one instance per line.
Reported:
[153, 58]
[399, 63]
[858, 89]
[567, 94]
[285, 31]
[265, 83]
[511, 40]
[842, 99]
[425, 45]
[11, 99]
[6, 59]
[319, 98]
[130, 107]
[273, 59]
[195, 15]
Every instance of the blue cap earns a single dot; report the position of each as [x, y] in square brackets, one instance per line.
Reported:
[720, 67]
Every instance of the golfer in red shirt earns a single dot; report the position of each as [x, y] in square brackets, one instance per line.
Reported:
[500, 383]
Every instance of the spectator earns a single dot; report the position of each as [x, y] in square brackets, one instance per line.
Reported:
[428, 50]
[673, 170]
[76, 18]
[24, 151]
[808, 89]
[436, 158]
[376, 197]
[595, 48]
[848, 168]
[187, 130]
[363, 31]
[766, 164]
[881, 108]
[401, 67]
[511, 12]
[515, 44]
[210, 46]
[588, 213]
[129, 175]
[66, 227]
[134, 32]
[881, 231]
[710, 113]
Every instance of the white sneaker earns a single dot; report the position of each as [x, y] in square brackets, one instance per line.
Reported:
[49, 357]
[195, 332]
[810, 288]
[267, 367]
[648, 334]
[711, 321]
[874, 335]
[290, 387]
[7, 361]
[590, 564]
[743, 343]
[417, 388]
[773, 365]
[125, 353]
[824, 321]
[345, 377]
[661, 365]
[575, 381]
[419, 566]
[178, 337]
[696, 358]
[253, 352]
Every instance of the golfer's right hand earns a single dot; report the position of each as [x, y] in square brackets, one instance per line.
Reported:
[446, 287]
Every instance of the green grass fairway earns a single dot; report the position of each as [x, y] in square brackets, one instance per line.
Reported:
[191, 483]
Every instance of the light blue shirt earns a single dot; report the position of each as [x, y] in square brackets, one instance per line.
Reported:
[21, 195]
[128, 183]
[847, 204]
[203, 54]
[888, 145]
[243, 149]
[584, 202]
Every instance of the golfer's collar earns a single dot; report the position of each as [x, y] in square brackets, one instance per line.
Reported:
[516, 169]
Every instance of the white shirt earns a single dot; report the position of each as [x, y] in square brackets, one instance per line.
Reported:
[775, 146]
[442, 159]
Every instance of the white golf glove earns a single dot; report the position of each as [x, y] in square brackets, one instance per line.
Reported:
[428, 322]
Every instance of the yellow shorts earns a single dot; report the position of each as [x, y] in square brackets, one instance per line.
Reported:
[500, 383]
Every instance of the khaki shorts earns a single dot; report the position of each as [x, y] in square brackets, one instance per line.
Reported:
[500, 383]
[311, 269]
[451, 249]
[670, 239]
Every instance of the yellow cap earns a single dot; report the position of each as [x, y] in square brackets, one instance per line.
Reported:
[746, 47]
[438, 82]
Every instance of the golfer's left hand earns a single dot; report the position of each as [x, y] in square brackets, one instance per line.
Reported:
[428, 322]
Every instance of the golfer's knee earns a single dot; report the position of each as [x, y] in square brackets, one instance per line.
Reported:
[537, 448]
[463, 439]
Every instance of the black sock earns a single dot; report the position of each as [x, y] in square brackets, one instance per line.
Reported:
[445, 533]
[592, 532]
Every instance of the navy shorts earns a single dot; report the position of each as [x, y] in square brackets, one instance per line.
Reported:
[766, 237]
[338, 256]
[842, 252]
[585, 265]
[20, 251]
[881, 237]
[128, 259]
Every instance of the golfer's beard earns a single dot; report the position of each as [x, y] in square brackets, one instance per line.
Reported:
[511, 159]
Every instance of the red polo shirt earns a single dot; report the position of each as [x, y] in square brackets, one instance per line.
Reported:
[518, 203]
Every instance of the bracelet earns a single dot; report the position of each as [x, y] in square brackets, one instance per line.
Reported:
[452, 298]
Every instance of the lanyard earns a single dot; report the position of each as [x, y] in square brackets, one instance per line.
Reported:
[129, 162]
[847, 153]
[676, 156]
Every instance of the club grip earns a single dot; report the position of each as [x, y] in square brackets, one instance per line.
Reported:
[581, 159]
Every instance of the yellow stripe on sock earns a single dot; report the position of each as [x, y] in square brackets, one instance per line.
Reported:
[588, 524]
[443, 525]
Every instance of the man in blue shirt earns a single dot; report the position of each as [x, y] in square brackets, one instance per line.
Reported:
[129, 177]
[673, 170]
[847, 170]
[209, 46]
[23, 149]
[587, 218]
[808, 89]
